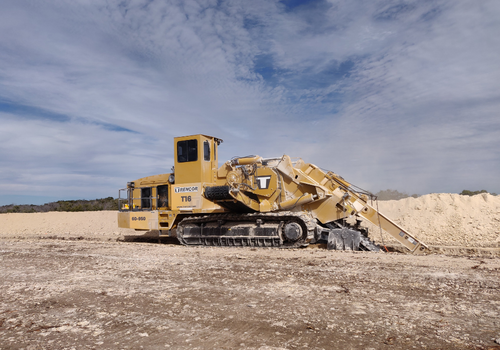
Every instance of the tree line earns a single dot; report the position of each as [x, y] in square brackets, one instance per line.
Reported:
[108, 203]
[387, 195]
[111, 203]
[473, 193]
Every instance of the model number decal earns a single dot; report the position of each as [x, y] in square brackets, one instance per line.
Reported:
[140, 218]
[186, 189]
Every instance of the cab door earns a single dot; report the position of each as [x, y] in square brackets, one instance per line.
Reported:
[162, 192]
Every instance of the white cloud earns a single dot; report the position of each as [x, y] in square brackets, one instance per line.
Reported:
[389, 94]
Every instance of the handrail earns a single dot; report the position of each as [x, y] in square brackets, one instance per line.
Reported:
[126, 204]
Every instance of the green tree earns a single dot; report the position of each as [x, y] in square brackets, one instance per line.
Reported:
[472, 193]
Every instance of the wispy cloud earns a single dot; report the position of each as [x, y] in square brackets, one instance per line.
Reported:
[390, 94]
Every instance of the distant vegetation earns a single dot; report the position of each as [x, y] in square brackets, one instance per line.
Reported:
[74, 205]
[388, 195]
[111, 203]
[473, 193]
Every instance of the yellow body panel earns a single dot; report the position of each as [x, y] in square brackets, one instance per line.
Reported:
[139, 220]
[200, 169]
[189, 198]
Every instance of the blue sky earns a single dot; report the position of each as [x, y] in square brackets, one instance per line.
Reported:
[389, 94]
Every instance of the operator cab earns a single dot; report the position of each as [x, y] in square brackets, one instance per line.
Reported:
[195, 159]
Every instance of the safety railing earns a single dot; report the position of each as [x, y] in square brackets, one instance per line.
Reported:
[126, 203]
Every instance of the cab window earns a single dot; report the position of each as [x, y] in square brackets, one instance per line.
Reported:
[146, 198]
[206, 150]
[187, 151]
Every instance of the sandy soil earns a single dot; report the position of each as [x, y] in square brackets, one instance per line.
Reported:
[67, 283]
[97, 225]
[448, 219]
[112, 295]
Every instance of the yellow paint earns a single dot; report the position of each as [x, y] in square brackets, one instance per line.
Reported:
[139, 220]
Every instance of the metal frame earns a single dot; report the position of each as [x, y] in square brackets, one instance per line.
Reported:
[130, 201]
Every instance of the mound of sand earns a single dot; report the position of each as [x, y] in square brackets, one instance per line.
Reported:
[448, 219]
[436, 219]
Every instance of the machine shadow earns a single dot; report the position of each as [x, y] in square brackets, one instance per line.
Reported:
[151, 237]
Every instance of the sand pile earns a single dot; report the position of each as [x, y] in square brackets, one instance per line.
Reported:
[448, 219]
[436, 219]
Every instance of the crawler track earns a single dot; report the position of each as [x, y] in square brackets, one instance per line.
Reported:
[284, 229]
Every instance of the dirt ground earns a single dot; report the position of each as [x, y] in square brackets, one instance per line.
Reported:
[76, 281]
[63, 294]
